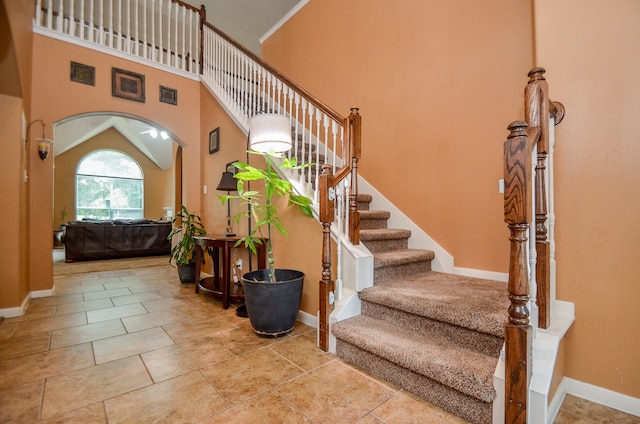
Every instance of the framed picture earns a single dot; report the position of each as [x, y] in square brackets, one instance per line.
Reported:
[214, 141]
[168, 95]
[84, 74]
[127, 85]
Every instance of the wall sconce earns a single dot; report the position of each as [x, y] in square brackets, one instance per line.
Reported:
[44, 144]
[228, 183]
[269, 132]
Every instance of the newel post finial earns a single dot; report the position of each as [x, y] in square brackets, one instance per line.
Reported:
[517, 129]
[536, 74]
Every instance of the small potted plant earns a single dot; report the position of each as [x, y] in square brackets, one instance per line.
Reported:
[188, 225]
[272, 295]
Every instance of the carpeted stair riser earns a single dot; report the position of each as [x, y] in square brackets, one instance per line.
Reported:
[486, 344]
[386, 273]
[467, 407]
[380, 246]
[371, 220]
[363, 201]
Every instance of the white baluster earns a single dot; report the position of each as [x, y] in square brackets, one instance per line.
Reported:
[49, 14]
[111, 23]
[334, 136]
[176, 48]
[136, 38]
[82, 22]
[72, 18]
[338, 221]
[119, 39]
[38, 17]
[152, 45]
[304, 135]
[183, 52]
[59, 26]
[127, 36]
[309, 157]
[161, 34]
[167, 31]
[101, 24]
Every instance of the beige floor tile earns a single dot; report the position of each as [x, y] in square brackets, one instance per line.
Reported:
[269, 407]
[57, 300]
[152, 319]
[369, 419]
[189, 330]
[37, 311]
[164, 304]
[115, 312]
[21, 403]
[150, 286]
[117, 347]
[135, 298]
[93, 414]
[81, 289]
[184, 399]
[50, 324]
[350, 394]
[82, 388]
[106, 293]
[86, 333]
[89, 305]
[182, 358]
[578, 410]
[406, 408]
[242, 377]
[25, 345]
[37, 366]
[242, 339]
[7, 328]
[302, 351]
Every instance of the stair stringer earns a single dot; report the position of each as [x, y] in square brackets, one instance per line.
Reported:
[443, 261]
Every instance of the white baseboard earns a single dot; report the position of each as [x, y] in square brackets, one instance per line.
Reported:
[20, 310]
[308, 319]
[478, 273]
[603, 396]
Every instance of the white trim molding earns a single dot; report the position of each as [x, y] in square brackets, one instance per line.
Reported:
[283, 20]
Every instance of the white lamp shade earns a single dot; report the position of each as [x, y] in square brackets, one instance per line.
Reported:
[269, 132]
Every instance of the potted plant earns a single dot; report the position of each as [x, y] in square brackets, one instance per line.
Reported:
[272, 295]
[188, 225]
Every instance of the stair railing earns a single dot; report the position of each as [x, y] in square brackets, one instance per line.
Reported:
[167, 32]
[526, 194]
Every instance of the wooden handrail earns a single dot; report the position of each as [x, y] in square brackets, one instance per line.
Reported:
[304, 93]
[519, 182]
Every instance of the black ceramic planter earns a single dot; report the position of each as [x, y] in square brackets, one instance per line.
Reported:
[273, 307]
[187, 273]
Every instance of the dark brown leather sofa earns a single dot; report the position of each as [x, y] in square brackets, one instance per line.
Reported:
[89, 240]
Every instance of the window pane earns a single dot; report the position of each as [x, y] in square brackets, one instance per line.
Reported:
[100, 195]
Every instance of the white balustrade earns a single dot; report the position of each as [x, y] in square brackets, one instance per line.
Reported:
[160, 30]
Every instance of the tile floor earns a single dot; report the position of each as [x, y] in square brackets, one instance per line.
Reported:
[136, 346]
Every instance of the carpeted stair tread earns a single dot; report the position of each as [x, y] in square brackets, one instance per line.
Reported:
[434, 356]
[401, 257]
[373, 214]
[384, 234]
[474, 303]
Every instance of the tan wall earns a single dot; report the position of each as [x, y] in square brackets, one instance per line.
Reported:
[591, 50]
[437, 83]
[14, 282]
[53, 102]
[67, 163]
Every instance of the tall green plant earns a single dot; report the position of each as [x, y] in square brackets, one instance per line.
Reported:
[260, 206]
[190, 225]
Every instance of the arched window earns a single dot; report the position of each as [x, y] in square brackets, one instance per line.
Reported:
[109, 185]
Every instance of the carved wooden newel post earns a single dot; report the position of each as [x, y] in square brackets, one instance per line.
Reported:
[327, 214]
[517, 214]
[355, 147]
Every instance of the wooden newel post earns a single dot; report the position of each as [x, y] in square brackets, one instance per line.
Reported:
[517, 214]
[327, 285]
[355, 149]
[537, 113]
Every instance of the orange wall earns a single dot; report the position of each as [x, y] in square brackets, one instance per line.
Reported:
[67, 163]
[591, 50]
[64, 98]
[436, 83]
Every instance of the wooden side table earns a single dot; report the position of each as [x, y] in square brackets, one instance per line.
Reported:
[221, 247]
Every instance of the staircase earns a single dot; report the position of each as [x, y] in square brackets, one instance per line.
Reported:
[434, 334]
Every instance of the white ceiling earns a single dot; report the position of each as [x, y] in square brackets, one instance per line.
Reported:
[246, 21]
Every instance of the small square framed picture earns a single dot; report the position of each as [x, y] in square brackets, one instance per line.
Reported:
[214, 141]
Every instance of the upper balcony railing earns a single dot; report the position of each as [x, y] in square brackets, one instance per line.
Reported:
[166, 32]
